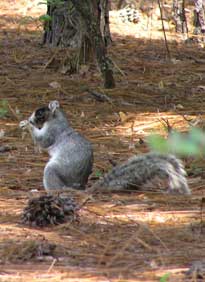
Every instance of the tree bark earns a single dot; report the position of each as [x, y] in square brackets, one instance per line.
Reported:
[83, 26]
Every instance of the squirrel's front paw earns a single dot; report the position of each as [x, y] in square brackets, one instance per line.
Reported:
[24, 124]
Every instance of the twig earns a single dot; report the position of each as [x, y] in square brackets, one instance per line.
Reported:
[118, 68]
[120, 252]
[51, 59]
[186, 119]
[99, 96]
[156, 237]
[144, 244]
[163, 28]
[52, 265]
[87, 199]
[13, 112]
[193, 122]
[166, 124]
[201, 213]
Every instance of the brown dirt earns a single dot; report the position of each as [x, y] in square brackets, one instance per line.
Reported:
[120, 237]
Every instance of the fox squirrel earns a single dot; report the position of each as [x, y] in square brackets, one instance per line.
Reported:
[71, 159]
[71, 155]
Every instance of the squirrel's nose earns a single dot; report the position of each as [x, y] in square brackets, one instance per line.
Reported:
[31, 119]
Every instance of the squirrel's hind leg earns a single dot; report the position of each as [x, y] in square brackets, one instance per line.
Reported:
[51, 178]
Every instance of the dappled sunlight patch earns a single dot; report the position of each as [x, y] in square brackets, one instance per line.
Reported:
[10, 206]
[145, 124]
[145, 28]
[152, 208]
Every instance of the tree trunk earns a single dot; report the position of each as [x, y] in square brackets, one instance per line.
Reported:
[82, 26]
[179, 16]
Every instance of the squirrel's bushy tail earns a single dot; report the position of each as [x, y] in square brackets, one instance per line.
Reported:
[149, 171]
[177, 175]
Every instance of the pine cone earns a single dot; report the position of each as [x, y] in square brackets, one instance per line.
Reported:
[47, 209]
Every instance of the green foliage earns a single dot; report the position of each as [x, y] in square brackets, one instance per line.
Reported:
[45, 18]
[165, 277]
[98, 173]
[53, 3]
[158, 143]
[4, 108]
[192, 143]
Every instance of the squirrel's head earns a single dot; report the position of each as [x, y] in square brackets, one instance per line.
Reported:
[43, 114]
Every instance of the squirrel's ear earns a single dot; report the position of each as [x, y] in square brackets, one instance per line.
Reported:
[53, 105]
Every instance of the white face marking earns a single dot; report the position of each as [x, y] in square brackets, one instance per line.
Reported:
[40, 132]
[32, 118]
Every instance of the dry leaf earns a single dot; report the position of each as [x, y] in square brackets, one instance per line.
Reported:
[126, 117]
[175, 61]
[123, 116]
[55, 85]
[200, 87]
[161, 85]
[2, 133]
[179, 107]
[82, 115]
[83, 69]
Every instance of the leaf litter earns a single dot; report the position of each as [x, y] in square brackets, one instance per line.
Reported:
[119, 237]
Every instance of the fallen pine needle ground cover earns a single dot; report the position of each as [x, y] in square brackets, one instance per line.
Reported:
[121, 236]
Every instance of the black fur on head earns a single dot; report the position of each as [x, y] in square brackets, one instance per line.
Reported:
[41, 116]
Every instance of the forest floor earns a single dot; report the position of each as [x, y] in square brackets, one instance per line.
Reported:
[137, 236]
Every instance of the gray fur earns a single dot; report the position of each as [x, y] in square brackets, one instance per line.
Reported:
[71, 155]
[148, 171]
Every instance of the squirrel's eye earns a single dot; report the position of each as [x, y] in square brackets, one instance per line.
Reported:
[40, 113]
